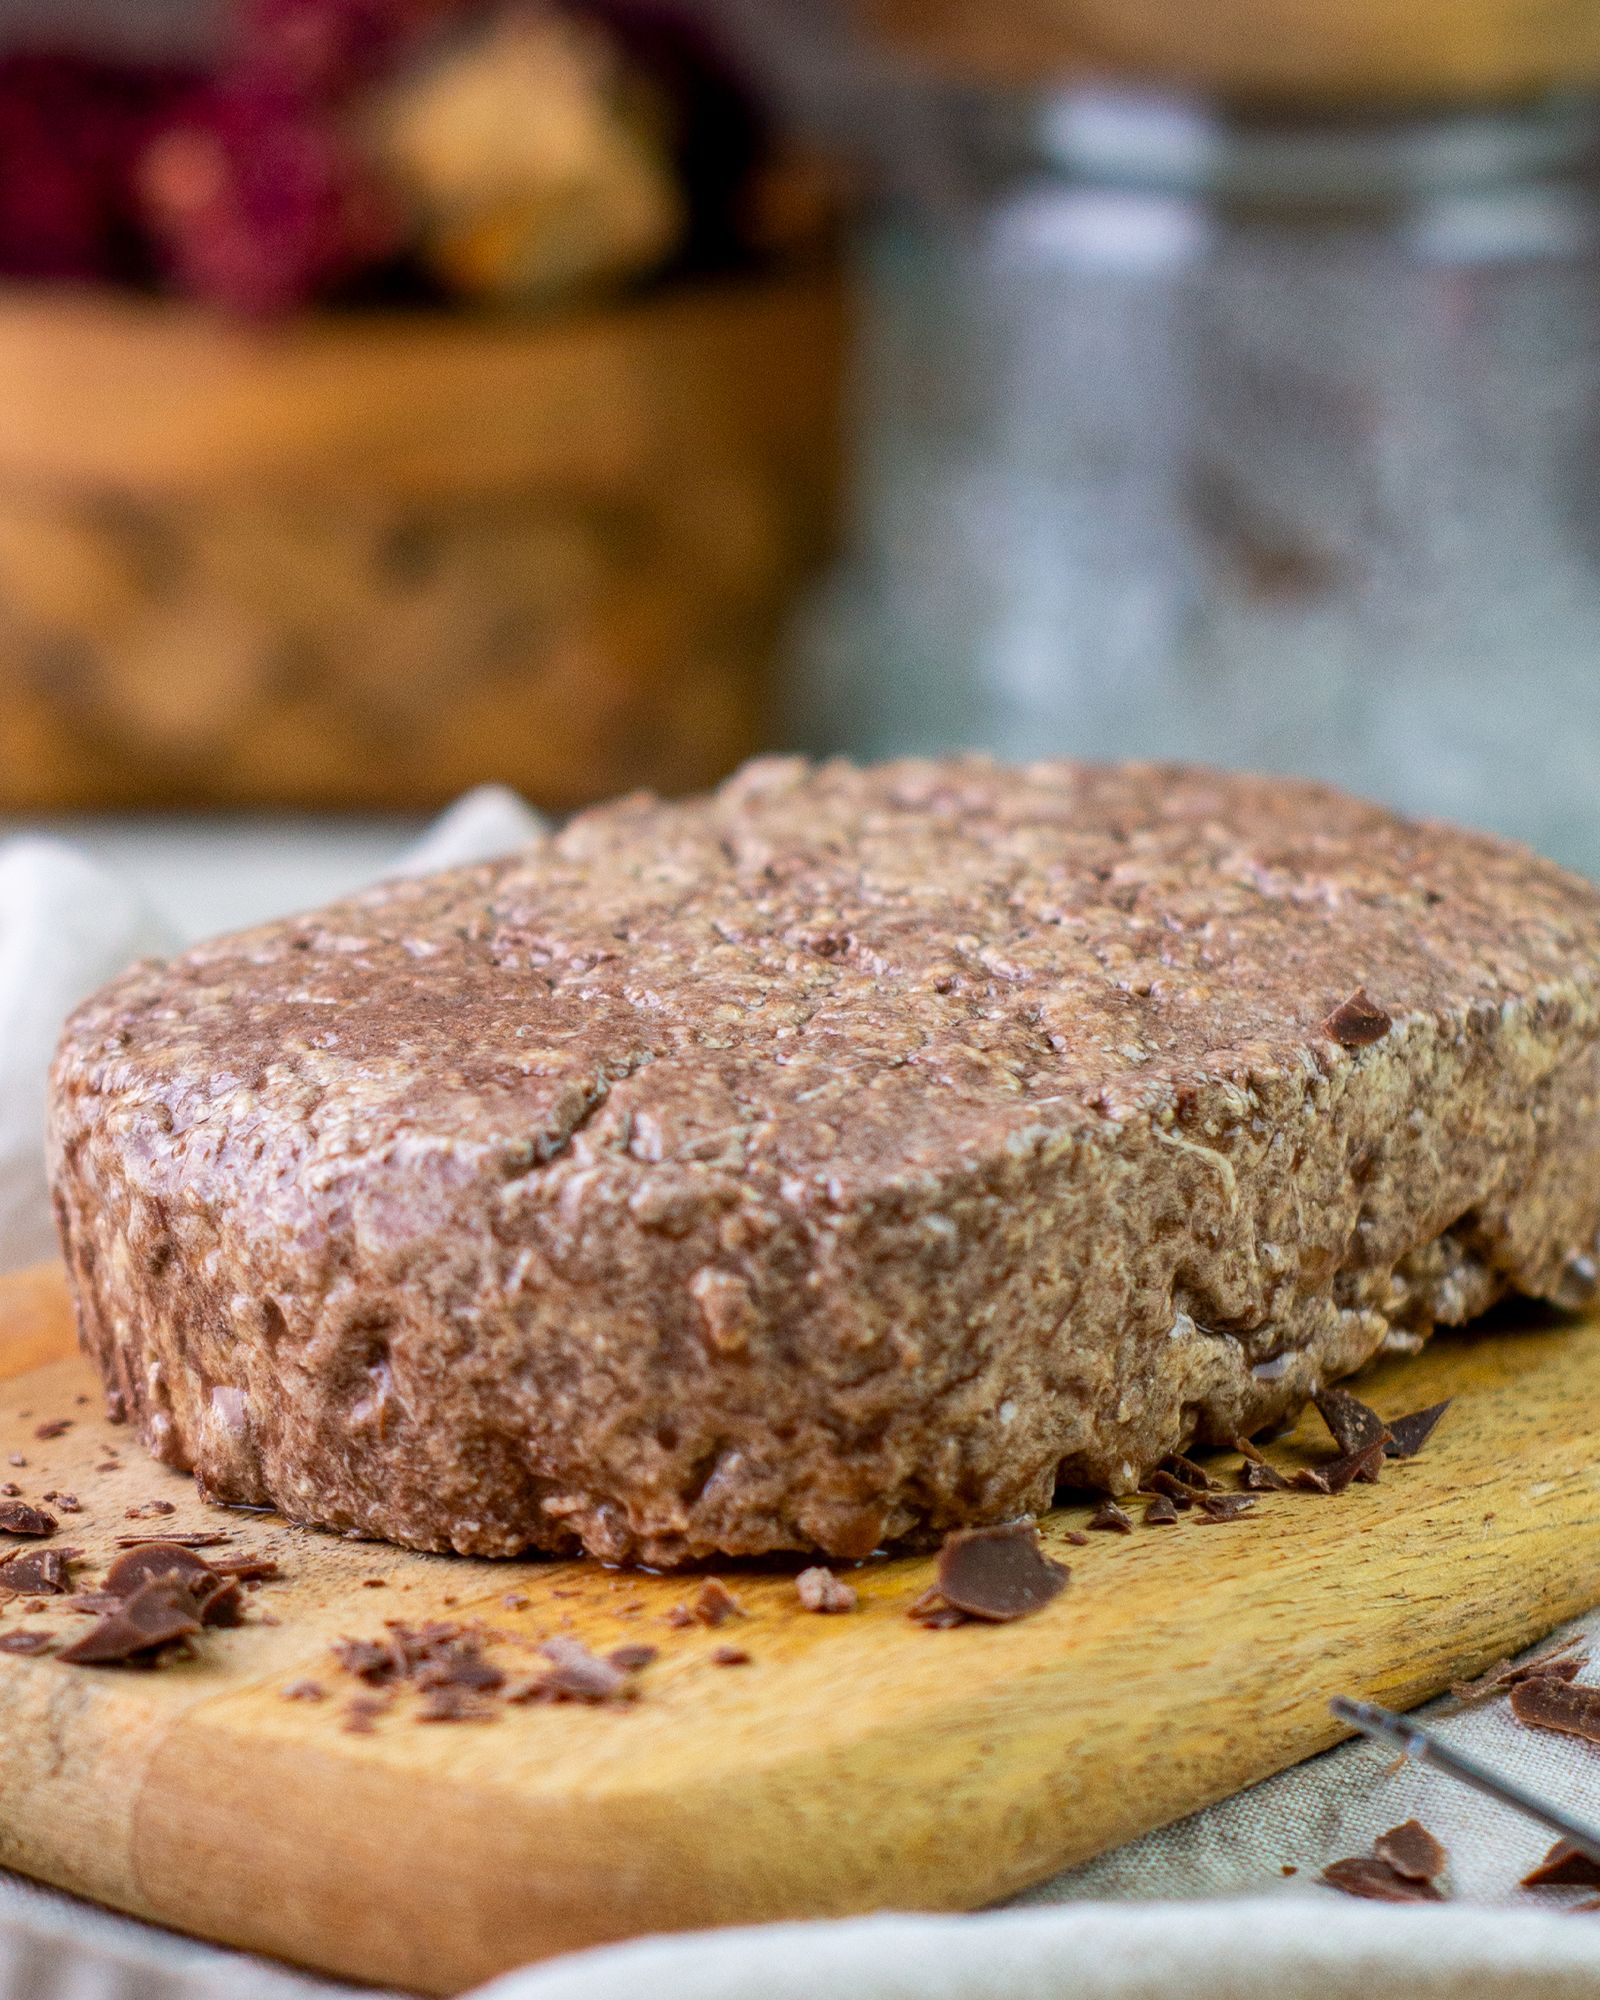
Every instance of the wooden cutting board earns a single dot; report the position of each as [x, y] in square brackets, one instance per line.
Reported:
[856, 1762]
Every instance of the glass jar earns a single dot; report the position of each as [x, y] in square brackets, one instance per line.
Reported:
[1260, 444]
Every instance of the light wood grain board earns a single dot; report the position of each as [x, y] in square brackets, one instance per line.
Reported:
[857, 1762]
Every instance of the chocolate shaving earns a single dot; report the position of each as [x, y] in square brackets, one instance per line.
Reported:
[1563, 1662]
[211, 1539]
[1255, 1475]
[18, 1518]
[715, 1603]
[1185, 1469]
[142, 1626]
[1565, 1866]
[1357, 1022]
[729, 1656]
[1225, 1506]
[1341, 1473]
[1171, 1488]
[931, 1610]
[1354, 1424]
[1412, 1851]
[630, 1659]
[247, 1568]
[450, 1703]
[1547, 1703]
[575, 1674]
[998, 1574]
[27, 1642]
[56, 1427]
[818, 1589]
[216, 1597]
[1407, 1435]
[369, 1660]
[1365, 1875]
[1114, 1519]
[1160, 1513]
[37, 1572]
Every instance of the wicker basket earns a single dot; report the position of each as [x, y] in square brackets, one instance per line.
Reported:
[369, 562]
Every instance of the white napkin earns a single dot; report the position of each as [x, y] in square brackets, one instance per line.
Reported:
[1116, 1931]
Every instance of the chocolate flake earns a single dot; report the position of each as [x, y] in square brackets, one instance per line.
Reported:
[69, 1503]
[631, 1659]
[142, 1626]
[1160, 1513]
[304, 1690]
[246, 1567]
[18, 1518]
[1412, 1851]
[1407, 1435]
[931, 1610]
[1255, 1475]
[1563, 1662]
[1547, 1703]
[679, 1615]
[998, 1574]
[1357, 1022]
[818, 1589]
[1181, 1495]
[361, 1714]
[216, 1597]
[715, 1603]
[57, 1427]
[27, 1642]
[1565, 1866]
[729, 1656]
[147, 1509]
[1225, 1506]
[1365, 1875]
[1354, 1424]
[1112, 1518]
[37, 1572]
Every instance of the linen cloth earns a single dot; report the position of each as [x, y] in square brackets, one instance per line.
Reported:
[1199, 1909]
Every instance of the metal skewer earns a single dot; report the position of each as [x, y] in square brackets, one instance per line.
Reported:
[1384, 1726]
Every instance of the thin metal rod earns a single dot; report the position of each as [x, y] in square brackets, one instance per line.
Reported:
[1384, 1726]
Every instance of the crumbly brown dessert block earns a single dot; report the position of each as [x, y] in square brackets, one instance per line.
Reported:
[842, 1157]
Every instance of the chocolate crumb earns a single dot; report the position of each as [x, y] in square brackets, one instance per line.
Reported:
[514, 1601]
[15, 1458]
[36, 1572]
[148, 1508]
[374, 1583]
[1563, 1662]
[1412, 1851]
[1548, 1703]
[820, 1590]
[1160, 1513]
[1175, 1490]
[1407, 1435]
[1225, 1506]
[69, 1503]
[1076, 1538]
[729, 1656]
[304, 1690]
[110, 1465]
[1357, 1022]
[679, 1615]
[26, 1642]
[1354, 1424]
[998, 1574]
[1565, 1866]
[56, 1427]
[140, 1627]
[11, 1490]
[1365, 1875]
[1288, 1868]
[1112, 1518]
[18, 1518]
[361, 1714]
[631, 1659]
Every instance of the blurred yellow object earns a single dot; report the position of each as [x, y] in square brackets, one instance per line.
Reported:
[529, 161]
[1316, 51]
[372, 561]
